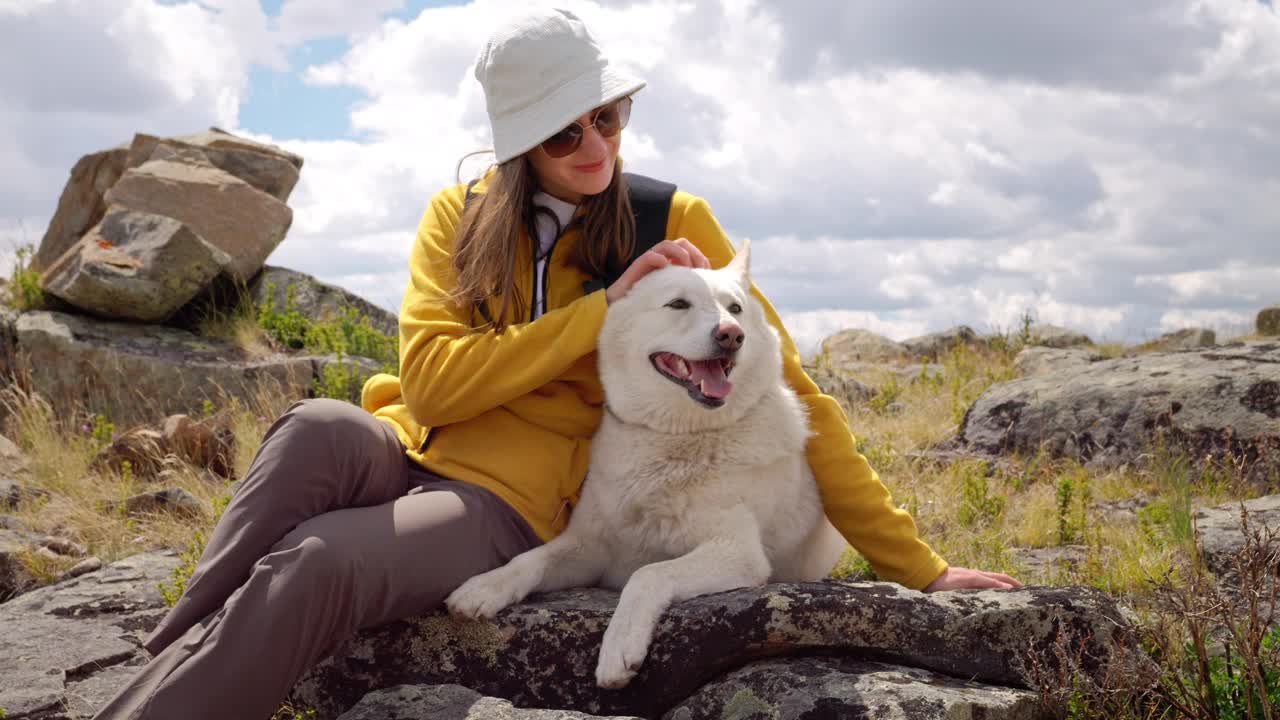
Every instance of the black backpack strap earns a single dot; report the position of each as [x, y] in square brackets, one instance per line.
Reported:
[467, 199]
[651, 205]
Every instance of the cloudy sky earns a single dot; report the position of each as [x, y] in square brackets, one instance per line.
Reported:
[900, 166]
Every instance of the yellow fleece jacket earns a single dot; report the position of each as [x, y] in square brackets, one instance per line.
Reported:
[515, 412]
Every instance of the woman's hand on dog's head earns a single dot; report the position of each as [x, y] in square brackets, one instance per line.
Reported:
[668, 252]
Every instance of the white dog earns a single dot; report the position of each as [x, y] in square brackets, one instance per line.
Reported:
[696, 484]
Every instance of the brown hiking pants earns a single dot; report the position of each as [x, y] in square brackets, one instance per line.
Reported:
[333, 529]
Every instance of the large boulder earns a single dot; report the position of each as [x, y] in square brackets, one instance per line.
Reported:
[1036, 360]
[133, 373]
[935, 345]
[1057, 337]
[450, 702]
[1220, 403]
[848, 392]
[835, 687]
[1221, 536]
[81, 204]
[543, 652]
[1184, 339]
[68, 648]
[225, 211]
[266, 167]
[135, 265]
[856, 345]
[1268, 323]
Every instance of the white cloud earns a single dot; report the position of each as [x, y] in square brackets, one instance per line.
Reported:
[903, 167]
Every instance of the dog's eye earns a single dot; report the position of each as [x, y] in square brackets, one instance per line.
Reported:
[735, 308]
[679, 304]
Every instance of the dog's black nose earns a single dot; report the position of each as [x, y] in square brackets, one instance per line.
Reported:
[728, 335]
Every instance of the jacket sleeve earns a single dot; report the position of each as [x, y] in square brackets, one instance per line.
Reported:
[449, 371]
[856, 501]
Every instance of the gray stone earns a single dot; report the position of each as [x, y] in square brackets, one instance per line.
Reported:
[14, 464]
[849, 689]
[1049, 562]
[315, 300]
[543, 652]
[171, 500]
[87, 565]
[67, 648]
[134, 373]
[856, 345]
[1035, 360]
[135, 266]
[81, 204]
[14, 495]
[1268, 323]
[226, 212]
[266, 167]
[449, 702]
[936, 345]
[1219, 403]
[849, 392]
[1057, 337]
[1185, 339]
[1221, 536]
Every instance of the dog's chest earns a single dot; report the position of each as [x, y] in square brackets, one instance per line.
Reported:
[662, 496]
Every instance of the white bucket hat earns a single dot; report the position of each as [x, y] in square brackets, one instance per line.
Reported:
[540, 71]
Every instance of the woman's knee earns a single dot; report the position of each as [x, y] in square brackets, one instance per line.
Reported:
[313, 563]
[325, 425]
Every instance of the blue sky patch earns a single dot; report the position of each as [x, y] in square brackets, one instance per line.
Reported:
[282, 105]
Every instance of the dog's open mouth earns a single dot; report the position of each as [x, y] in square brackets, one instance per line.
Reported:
[707, 381]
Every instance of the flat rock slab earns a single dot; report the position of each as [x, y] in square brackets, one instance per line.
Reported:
[542, 653]
[137, 372]
[1221, 536]
[451, 702]
[826, 687]
[1222, 402]
[66, 649]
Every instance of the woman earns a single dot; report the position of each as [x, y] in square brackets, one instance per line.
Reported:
[350, 518]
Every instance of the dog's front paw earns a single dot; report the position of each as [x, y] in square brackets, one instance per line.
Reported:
[481, 597]
[626, 643]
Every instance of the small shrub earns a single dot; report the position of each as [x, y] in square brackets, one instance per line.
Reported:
[978, 506]
[24, 283]
[888, 395]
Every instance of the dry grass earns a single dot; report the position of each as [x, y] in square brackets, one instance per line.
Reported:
[980, 517]
[236, 323]
[61, 448]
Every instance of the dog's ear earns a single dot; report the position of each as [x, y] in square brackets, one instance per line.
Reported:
[740, 265]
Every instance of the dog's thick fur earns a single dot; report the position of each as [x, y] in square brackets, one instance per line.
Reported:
[687, 493]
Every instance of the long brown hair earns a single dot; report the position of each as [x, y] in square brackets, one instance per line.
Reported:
[490, 231]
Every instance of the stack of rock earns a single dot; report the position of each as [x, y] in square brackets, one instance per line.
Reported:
[142, 228]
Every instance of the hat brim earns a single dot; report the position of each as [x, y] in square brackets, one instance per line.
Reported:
[517, 133]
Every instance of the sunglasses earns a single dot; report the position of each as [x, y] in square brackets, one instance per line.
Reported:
[608, 121]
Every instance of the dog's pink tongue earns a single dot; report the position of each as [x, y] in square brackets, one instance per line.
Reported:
[709, 375]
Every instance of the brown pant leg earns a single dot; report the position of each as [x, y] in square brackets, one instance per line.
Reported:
[319, 455]
[333, 574]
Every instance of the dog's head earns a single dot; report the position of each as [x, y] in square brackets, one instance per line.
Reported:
[688, 349]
